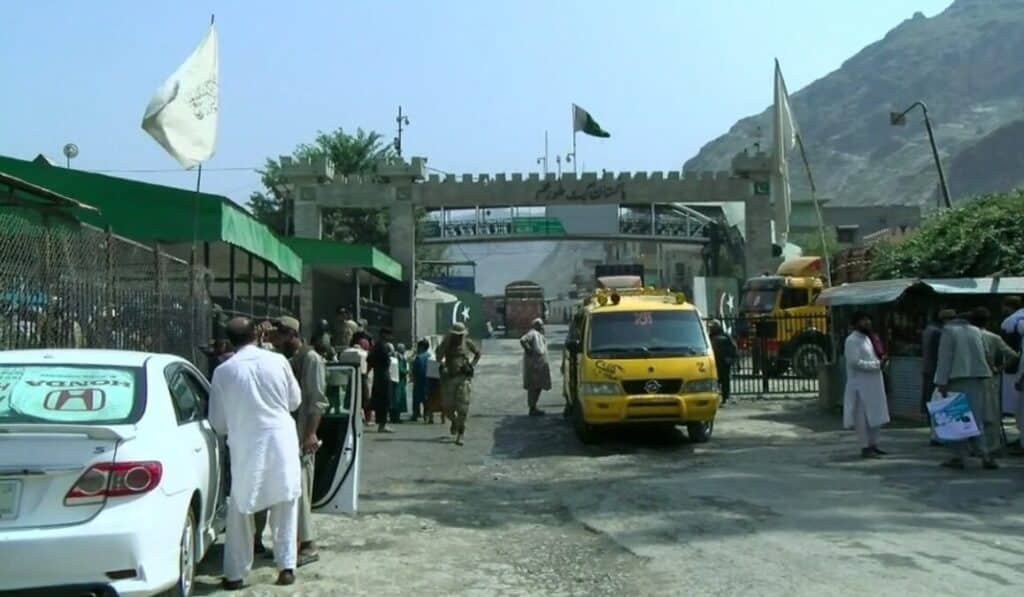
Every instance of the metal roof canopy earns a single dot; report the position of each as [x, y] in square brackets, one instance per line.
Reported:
[878, 292]
[339, 258]
[148, 212]
[14, 183]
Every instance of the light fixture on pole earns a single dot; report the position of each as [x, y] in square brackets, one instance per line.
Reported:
[401, 119]
[900, 119]
[70, 153]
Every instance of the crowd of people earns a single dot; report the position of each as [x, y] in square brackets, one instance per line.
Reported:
[269, 392]
[963, 355]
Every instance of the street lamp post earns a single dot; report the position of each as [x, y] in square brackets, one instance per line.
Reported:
[900, 119]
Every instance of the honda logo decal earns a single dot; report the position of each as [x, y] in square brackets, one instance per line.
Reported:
[84, 400]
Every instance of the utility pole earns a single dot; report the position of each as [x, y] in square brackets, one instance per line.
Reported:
[401, 120]
[900, 119]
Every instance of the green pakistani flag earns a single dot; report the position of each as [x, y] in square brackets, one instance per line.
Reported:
[583, 121]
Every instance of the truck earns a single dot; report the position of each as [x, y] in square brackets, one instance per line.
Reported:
[524, 302]
[779, 324]
[606, 270]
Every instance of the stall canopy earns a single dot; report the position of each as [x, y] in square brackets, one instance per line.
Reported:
[154, 213]
[21, 193]
[880, 292]
[328, 253]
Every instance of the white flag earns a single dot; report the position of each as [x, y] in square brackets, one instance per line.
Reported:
[784, 136]
[182, 116]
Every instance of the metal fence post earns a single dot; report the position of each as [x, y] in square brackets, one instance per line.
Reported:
[159, 286]
[252, 304]
[266, 288]
[110, 297]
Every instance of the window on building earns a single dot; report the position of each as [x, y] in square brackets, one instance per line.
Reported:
[847, 234]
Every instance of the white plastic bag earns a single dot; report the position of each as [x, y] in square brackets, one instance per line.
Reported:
[952, 418]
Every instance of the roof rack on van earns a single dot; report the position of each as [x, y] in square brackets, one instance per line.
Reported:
[602, 296]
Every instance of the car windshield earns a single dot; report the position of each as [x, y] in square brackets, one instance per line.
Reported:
[759, 300]
[641, 334]
[80, 394]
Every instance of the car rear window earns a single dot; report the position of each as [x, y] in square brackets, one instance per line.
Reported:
[69, 394]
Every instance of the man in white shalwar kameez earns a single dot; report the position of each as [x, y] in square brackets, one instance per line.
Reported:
[536, 372]
[251, 398]
[865, 406]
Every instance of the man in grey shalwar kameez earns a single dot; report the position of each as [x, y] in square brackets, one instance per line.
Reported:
[536, 372]
[962, 367]
[999, 355]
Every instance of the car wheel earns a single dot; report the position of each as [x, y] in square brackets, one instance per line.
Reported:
[806, 359]
[186, 559]
[584, 432]
[700, 432]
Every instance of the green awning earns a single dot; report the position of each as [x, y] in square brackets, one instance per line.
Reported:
[331, 253]
[154, 213]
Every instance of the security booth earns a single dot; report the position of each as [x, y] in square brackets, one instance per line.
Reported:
[359, 278]
[900, 310]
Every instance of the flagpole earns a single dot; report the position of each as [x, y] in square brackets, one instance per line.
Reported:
[817, 209]
[575, 158]
[195, 252]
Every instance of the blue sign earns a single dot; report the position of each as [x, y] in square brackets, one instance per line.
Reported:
[461, 283]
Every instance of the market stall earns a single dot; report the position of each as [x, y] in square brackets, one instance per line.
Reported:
[900, 310]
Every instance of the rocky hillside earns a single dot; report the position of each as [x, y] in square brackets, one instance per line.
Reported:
[966, 64]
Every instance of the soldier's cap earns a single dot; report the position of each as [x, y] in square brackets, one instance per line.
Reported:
[288, 323]
[459, 329]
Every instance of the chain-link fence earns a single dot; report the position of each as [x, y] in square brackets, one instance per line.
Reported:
[68, 285]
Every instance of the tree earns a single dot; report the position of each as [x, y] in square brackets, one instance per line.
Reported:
[980, 238]
[351, 154]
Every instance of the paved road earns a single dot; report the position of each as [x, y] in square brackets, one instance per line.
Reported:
[776, 504]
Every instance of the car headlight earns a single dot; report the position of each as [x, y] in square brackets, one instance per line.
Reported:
[700, 386]
[601, 389]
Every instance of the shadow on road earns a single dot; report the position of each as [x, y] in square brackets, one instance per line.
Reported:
[520, 437]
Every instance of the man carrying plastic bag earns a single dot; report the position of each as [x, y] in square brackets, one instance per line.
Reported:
[961, 368]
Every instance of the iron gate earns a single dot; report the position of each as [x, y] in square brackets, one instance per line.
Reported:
[778, 355]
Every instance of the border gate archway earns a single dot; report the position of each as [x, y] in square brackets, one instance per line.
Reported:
[402, 187]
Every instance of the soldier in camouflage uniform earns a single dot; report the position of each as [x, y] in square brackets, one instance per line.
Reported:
[458, 357]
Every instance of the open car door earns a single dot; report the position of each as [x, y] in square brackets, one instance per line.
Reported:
[336, 476]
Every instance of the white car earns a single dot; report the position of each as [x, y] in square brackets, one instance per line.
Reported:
[111, 478]
[110, 474]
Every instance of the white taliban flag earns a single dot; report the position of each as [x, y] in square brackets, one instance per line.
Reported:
[182, 116]
[784, 135]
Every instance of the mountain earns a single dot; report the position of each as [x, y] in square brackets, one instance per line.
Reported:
[966, 64]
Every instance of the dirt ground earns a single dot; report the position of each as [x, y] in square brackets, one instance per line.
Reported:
[777, 503]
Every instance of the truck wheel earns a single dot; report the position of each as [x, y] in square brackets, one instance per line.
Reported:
[584, 432]
[806, 359]
[700, 432]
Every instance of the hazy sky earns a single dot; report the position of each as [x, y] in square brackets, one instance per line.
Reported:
[480, 80]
